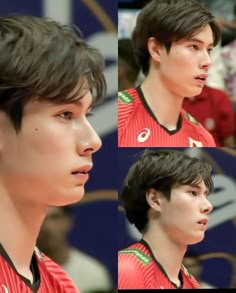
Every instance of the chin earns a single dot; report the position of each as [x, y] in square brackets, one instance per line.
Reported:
[193, 93]
[196, 239]
[70, 196]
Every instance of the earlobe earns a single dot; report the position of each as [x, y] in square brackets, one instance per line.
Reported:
[153, 198]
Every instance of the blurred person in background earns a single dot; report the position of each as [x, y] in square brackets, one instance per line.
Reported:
[214, 110]
[193, 264]
[87, 273]
[128, 69]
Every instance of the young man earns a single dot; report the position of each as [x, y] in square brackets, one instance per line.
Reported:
[172, 42]
[165, 197]
[50, 78]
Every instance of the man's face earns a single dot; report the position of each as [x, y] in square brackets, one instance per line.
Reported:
[48, 160]
[187, 60]
[184, 217]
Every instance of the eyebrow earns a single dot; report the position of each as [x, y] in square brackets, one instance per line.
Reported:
[193, 39]
[206, 192]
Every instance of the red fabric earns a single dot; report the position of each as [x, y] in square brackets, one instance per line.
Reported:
[53, 279]
[134, 273]
[135, 122]
[214, 110]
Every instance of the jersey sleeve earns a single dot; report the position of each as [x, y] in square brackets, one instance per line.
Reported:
[209, 140]
[125, 112]
[129, 274]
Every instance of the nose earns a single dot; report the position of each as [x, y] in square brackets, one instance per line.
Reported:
[88, 141]
[206, 206]
[206, 61]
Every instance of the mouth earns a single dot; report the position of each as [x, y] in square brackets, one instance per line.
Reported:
[82, 170]
[82, 174]
[203, 222]
[202, 77]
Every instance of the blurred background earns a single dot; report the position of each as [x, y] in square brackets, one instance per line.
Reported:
[91, 226]
[212, 261]
[215, 107]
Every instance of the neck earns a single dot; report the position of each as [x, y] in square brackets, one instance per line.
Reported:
[18, 235]
[168, 252]
[165, 104]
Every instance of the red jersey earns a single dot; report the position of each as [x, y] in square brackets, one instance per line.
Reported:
[138, 126]
[138, 269]
[214, 110]
[48, 276]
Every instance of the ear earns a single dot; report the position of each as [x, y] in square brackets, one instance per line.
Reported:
[155, 49]
[154, 199]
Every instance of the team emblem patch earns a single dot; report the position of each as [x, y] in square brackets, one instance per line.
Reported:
[39, 254]
[144, 258]
[191, 119]
[125, 98]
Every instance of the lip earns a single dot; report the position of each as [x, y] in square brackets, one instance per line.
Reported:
[204, 76]
[82, 178]
[84, 169]
[81, 173]
[203, 223]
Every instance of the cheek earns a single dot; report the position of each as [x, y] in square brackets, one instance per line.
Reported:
[48, 141]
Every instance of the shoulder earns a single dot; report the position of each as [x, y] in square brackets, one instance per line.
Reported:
[132, 267]
[127, 97]
[53, 273]
[196, 129]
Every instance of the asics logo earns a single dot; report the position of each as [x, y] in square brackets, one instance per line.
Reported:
[144, 135]
[5, 290]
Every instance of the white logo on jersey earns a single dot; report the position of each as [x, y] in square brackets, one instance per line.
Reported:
[5, 288]
[194, 143]
[144, 135]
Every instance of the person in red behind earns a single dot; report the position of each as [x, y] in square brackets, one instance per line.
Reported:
[165, 196]
[48, 74]
[214, 110]
[172, 42]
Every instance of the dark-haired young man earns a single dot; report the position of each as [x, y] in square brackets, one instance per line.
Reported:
[49, 80]
[172, 41]
[165, 197]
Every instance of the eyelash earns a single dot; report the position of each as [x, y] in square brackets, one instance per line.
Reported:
[66, 112]
[193, 192]
[71, 115]
[195, 47]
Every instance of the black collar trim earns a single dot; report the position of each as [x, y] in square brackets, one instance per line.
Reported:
[142, 241]
[146, 106]
[33, 267]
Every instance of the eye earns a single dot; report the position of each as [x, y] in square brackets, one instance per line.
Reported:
[209, 51]
[195, 47]
[67, 115]
[193, 192]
